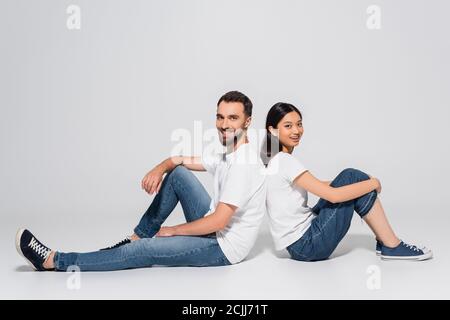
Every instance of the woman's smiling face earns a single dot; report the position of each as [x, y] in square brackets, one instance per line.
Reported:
[290, 130]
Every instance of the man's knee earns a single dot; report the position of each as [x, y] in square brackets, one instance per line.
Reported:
[178, 171]
[180, 174]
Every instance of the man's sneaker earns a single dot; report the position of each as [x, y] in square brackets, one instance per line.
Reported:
[378, 247]
[32, 249]
[118, 244]
[405, 251]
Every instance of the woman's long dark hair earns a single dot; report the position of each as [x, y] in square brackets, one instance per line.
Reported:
[274, 116]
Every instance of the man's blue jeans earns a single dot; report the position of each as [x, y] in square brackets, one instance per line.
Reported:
[333, 220]
[180, 185]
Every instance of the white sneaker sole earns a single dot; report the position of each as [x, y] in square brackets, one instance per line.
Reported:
[378, 252]
[422, 257]
[19, 250]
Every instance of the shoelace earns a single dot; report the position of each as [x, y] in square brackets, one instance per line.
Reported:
[413, 247]
[118, 244]
[39, 248]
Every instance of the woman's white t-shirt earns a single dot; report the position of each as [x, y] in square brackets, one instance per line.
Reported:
[287, 204]
[239, 180]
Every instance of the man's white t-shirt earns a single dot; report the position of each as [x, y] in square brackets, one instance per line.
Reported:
[287, 204]
[239, 180]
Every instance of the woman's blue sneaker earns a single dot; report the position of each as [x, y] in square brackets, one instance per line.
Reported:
[378, 247]
[32, 249]
[405, 251]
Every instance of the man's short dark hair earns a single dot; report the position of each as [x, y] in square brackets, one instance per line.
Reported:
[236, 96]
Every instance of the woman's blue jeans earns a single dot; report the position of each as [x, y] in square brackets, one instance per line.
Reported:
[180, 185]
[333, 220]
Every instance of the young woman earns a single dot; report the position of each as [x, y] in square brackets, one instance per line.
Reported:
[311, 234]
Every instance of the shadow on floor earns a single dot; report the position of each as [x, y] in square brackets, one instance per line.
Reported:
[265, 243]
[348, 244]
[24, 268]
[354, 241]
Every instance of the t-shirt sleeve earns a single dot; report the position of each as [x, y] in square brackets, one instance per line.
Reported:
[209, 161]
[291, 167]
[237, 189]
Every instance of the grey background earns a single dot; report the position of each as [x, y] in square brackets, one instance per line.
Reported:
[86, 113]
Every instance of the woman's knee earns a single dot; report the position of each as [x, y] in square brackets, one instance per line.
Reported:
[354, 174]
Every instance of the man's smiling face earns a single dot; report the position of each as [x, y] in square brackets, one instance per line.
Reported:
[231, 122]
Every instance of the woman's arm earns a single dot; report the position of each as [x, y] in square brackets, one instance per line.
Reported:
[335, 195]
[216, 221]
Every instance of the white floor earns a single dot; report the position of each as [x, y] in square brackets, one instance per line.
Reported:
[266, 274]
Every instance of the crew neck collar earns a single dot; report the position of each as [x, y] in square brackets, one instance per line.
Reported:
[229, 156]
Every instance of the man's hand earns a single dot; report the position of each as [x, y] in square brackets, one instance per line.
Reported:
[153, 180]
[166, 232]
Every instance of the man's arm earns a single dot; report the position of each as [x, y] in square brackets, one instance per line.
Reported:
[216, 221]
[153, 179]
[192, 163]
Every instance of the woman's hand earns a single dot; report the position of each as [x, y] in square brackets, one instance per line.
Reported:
[166, 232]
[152, 180]
[377, 182]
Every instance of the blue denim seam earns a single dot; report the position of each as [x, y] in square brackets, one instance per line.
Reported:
[60, 262]
[181, 185]
[141, 255]
[314, 235]
[332, 215]
[141, 234]
[362, 211]
[139, 230]
[56, 260]
[326, 222]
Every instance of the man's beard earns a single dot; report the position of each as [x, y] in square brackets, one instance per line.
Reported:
[233, 139]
